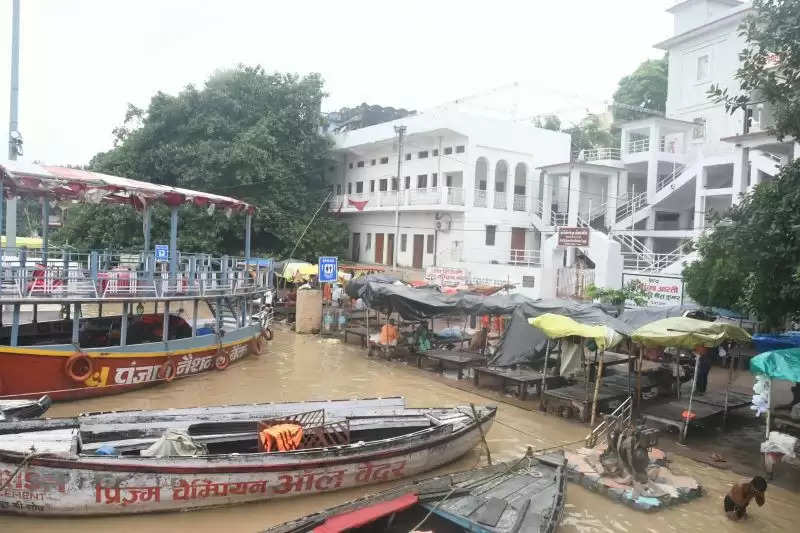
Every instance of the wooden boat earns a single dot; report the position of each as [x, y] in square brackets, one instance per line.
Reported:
[20, 409]
[92, 464]
[523, 496]
[81, 355]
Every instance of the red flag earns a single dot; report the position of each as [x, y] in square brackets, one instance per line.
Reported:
[358, 205]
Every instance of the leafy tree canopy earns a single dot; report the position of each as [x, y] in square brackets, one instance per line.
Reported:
[591, 132]
[548, 122]
[750, 262]
[645, 87]
[770, 64]
[246, 133]
[353, 118]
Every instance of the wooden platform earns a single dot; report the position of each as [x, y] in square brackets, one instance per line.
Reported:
[521, 378]
[705, 408]
[575, 399]
[451, 359]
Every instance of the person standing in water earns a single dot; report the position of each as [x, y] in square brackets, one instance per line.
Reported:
[737, 500]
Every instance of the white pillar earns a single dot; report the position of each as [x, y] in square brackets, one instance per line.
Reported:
[624, 140]
[684, 216]
[652, 163]
[490, 176]
[740, 168]
[699, 200]
[651, 226]
[574, 196]
[547, 198]
[611, 199]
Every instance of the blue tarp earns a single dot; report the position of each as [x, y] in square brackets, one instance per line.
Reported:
[777, 341]
[778, 364]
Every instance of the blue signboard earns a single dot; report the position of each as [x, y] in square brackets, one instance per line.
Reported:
[328, 268]
[162, 252]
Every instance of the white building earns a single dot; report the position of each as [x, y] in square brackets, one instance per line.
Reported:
[643, 200]
[467, 190]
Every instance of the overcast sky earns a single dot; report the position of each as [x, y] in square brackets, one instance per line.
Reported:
[82, 61]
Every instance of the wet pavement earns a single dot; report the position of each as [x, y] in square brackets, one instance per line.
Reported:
[295, 367]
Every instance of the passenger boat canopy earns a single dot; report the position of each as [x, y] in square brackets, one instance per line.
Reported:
[64, 184]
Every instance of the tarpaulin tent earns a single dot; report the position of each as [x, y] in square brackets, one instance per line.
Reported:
[354, 286]
[777, 341]
[639, 316]
[299, 271]
[520, 344]
[680, 332]
[778, 364]
[559, 326]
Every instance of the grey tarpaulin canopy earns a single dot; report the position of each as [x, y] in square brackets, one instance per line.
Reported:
[639, 316]
[524, 344]
[354, 286]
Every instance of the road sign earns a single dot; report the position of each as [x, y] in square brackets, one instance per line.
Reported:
[162, 252]
[328, 268]
[573, 236]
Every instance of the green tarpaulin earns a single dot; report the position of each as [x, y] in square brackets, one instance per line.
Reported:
[681, 332]
[778, 364]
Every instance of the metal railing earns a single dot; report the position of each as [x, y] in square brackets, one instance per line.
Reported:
[621, 415]
[669, 147]
[558, 219]
[499, 200]
[519, 202]
[663, 181]
[525, 257]
[538, 207]
[455, 196]
[599, 154]
[480, 198]
[638, 145]
[631, 204]
[64, 275]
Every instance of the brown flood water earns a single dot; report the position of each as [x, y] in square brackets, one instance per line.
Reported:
[296, 367]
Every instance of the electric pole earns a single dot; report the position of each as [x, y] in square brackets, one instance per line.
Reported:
[401, 131]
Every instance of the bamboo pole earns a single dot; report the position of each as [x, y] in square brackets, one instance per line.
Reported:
[544, 368]
[691, 397]
[639, 378]
[598, 377]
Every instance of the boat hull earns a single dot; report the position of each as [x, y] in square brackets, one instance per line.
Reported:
[50, 486]
[30, 372]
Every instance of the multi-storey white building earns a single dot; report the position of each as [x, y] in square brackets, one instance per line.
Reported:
[490, 195]
[467, 188]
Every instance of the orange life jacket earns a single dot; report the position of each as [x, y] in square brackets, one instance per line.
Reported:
[284, 437]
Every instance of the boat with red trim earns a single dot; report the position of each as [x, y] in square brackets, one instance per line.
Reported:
[99, 339]
[178, 459]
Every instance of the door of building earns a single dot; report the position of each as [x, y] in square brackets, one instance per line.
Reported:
[355, 254]
[389, 248]
[517, 245]
[419, 247]
[379, 248]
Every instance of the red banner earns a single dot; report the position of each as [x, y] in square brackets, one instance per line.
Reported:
[358, 205]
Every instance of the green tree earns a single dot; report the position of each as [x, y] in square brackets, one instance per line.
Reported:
[548, 122]
[591, 133]
[645, 87]
[770, 65]
[246, 133]
[353, 118]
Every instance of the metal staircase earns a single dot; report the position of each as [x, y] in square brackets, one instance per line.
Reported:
[228, 315]
[632, 209]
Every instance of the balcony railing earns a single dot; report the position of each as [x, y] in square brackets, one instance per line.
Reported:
[455, 196]
[519, 202]
[480, 198]
[525, 257]
[599, 154]
[639, 145]
[389, 199]
[669, 147]
[499, 200]
[430, 196]
[538, 207]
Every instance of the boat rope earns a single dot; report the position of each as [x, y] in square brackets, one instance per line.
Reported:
[483, 436]
[509, 426]
[21, 465]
